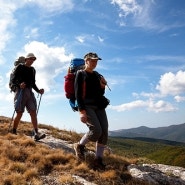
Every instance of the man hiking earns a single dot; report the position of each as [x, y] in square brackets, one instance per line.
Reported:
[23, 81]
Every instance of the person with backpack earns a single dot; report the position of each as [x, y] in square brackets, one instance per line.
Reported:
[23, 81]
[91, 106]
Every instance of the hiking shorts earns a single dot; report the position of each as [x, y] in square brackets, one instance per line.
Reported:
[25, 98]
[98, 132]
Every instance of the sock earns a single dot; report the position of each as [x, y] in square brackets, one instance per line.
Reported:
[36, 130]
[84, 140]
[99, 150]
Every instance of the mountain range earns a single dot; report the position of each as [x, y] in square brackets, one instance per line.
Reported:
[171, 133]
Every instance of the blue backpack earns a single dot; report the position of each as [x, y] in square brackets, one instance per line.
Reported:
[75, 65]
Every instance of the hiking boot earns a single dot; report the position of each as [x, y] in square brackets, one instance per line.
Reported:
[80, 151]
[98, 164]
[39, 136]
[14, 131]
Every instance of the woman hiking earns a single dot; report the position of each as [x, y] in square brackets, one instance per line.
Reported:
[91, 109]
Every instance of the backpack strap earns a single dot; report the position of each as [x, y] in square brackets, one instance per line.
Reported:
[72, 101]
[84, 83]
[99, 77]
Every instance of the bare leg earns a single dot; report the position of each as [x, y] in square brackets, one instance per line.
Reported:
[17, 119]
[37, 135]
[34, 120]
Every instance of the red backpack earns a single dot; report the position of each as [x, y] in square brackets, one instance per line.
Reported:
[75, 65]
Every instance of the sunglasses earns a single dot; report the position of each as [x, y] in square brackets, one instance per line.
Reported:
[31, 58]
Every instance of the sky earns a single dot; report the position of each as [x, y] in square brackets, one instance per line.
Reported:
[141, 43]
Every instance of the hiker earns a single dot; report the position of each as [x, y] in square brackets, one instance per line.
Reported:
[90, 113]
[24, 81]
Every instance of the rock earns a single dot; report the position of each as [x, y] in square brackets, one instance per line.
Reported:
[158, 174]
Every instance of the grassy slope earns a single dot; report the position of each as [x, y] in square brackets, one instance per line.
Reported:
[158, 152]
[24, 161]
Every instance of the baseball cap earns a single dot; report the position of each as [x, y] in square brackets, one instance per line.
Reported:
[92, 55]
[30, 55]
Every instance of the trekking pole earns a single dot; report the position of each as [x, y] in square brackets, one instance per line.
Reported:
[105, 83]
[108, 87]
[39, 103]
[18, 99]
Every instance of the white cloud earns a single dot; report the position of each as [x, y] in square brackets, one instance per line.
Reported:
[51, 61]
[80, 39]
[127, 7]
[33, 33]
[160, 106]
[129, 106]
[100, 39]
[179, 98]
[83, 38]
[6, 20]
[143, 14]
[54, 5]
[149, 105]
[172, 84]
[1, 80]
[169, 85]
[150, 95]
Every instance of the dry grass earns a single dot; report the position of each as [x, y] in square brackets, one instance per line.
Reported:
[24, 161]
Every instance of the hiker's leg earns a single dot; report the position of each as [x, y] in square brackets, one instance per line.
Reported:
[102, 141]
[33, 116]
[95, 130]
[102, 117]
[99, 150]
[19, 105]
[31, 106]
[98, 161]
[84, 140]
[37, 135]
[92, 135]
[17, 119]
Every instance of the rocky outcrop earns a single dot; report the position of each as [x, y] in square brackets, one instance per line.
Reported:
[158, 174]
[152, 174]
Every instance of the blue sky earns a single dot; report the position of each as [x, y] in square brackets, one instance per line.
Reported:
[141, 42]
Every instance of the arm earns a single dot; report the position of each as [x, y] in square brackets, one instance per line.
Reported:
[34, 86]
[79, 94]
[79, 88]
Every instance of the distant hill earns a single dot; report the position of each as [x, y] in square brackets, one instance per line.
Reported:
[171, 133]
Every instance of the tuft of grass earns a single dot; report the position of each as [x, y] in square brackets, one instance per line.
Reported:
[13, 179]
[31, 174]
[66, 179]
[17, 167]
[110, 174]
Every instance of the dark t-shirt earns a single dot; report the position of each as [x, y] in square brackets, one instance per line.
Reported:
[25, 74]
[87, 88]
